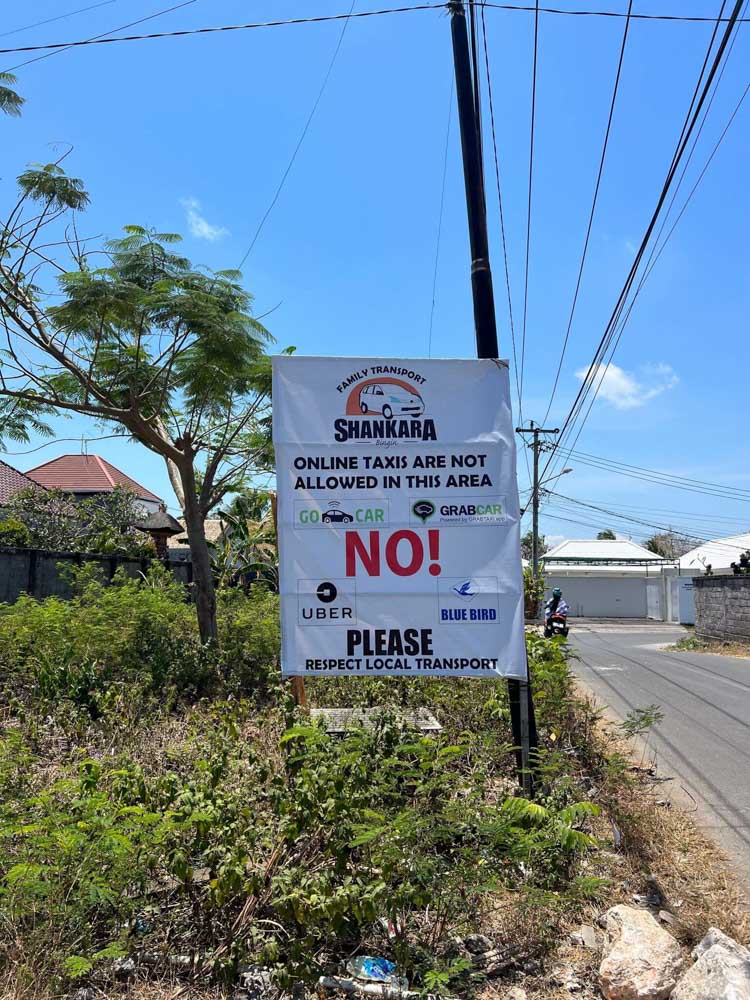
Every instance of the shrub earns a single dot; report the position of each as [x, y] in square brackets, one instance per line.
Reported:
[132, 638]
[281, 855]
[14, 533]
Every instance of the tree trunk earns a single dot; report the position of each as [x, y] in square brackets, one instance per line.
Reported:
[203, 582]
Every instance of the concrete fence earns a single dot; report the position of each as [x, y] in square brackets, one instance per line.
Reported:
[722, 607]
[40, 573]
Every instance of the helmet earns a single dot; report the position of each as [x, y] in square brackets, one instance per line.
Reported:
[557, 592]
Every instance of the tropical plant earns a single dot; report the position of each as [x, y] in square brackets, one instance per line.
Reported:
[606, 535]
[10, 101]
[247, 549]
[145, 341]
[533, 591]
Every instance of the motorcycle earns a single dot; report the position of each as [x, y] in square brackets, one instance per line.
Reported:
[556, 624]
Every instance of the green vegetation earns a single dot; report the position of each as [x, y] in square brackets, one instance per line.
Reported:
[160, 798]
[56, 521]
[138, 338]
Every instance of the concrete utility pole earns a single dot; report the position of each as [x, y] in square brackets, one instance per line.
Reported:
[536, 445]
[519, 692]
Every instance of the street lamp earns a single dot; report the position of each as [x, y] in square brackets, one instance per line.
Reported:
[538, 485]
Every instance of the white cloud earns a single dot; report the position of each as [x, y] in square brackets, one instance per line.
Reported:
[200, 227]
[625, 391]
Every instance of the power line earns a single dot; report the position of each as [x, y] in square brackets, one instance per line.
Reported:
[605, 145]
[594, 369]
[60, 17]
[301, 139]
[687, 129]
[213, 29]
[653, 257]
[94, 40]
[529, 201]
[500, 208]
[603, 13]
[440, 216]
[660, 479]
[635, 520]
[79, 43]
[57, 440]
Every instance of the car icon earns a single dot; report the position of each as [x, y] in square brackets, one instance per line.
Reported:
[337, 517]
[389, 400]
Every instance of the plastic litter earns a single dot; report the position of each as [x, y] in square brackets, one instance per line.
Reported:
[369, 969]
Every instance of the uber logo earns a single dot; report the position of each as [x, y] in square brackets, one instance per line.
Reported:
[326, 602]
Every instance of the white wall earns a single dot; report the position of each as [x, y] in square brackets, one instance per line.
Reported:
[602, 597]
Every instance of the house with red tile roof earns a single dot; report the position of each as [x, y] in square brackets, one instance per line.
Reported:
[12, 481]
[89, 475]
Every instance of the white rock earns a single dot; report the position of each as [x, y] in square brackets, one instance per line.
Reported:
[722, 971]
[641, 961]
[516, 993]
[715, 936]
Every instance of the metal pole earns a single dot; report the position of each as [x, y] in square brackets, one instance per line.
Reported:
[481, 275]
[485, 326]
[535, 507]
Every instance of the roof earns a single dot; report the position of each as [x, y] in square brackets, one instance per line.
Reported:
[12, 481]
[160, 520]
[599, 550]
[719, 554]
[213, 527]
[86, 474]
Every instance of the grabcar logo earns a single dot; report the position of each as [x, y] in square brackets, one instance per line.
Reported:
[384, 407]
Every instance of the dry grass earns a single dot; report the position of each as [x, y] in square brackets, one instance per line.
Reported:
[695, 645]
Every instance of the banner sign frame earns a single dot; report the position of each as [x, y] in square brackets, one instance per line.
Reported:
[397, 518]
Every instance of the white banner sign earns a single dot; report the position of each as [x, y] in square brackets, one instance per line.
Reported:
[397, 518]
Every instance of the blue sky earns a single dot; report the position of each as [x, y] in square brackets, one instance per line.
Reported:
[192, 135]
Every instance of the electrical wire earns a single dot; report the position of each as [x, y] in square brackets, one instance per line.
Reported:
[60, 17]
[94, 40]
[211, 29]
[78, 43]
[635, 520]
[654, 254]
[692, 117]
[440, 216]
[689, 480]
[594, 369]
[57, 440]
[529, 200]
[605, 145]
[500, 206]
[602, 13]
[301, 139]
[661, 478]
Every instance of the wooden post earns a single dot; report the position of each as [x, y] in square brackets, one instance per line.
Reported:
[297, 683]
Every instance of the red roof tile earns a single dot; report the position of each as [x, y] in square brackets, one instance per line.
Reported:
[12, 481]
[86, 474]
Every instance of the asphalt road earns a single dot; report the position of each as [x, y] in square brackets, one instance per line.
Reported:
[704, 738]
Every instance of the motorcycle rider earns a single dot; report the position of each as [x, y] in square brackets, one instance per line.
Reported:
[555, 606]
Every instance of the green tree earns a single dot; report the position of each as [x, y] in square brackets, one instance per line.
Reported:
[669, 545]
[137, 337]
[10, 102]
[607, 535]
[55, 520]
[527, 545]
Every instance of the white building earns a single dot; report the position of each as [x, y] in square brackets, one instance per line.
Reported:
[607, 578]
[718, 554]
